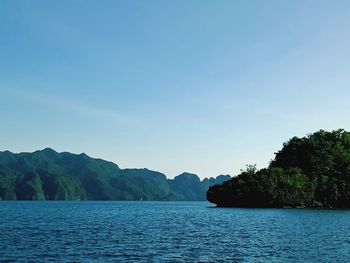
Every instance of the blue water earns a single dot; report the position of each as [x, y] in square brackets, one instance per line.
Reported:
[169, 232]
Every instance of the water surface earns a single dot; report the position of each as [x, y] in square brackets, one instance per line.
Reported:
[169, 232]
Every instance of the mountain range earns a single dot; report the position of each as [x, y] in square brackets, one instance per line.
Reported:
[49, 175]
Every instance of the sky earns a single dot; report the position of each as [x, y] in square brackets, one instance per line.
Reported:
[187, 85]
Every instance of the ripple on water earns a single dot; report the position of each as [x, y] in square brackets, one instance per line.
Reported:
[169, 232]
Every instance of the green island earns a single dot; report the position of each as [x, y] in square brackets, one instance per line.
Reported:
[313, 171]
[49, 175]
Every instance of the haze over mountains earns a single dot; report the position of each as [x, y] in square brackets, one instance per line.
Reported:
[49, 175]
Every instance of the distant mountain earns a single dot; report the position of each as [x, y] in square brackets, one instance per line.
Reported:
[189, 187]
[49, 175]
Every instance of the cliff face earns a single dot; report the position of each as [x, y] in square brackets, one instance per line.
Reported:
[313, 171]
[49, 175]
[189, 187]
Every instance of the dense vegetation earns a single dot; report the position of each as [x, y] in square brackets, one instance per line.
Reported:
[48, 175]
[313, 171]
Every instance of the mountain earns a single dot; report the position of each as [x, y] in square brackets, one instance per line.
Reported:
[49, 175]
[189, 187]
[313, 171]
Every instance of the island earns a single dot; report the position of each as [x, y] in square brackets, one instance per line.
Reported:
[313, 171]
[50, 175]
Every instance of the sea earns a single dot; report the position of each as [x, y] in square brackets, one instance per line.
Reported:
[142, 231]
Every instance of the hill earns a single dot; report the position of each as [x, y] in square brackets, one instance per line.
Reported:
[313, 171]
[49, 175]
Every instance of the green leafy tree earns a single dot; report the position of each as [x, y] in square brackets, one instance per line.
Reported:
[309, 171]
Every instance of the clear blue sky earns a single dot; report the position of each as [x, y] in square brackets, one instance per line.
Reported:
[187, 85]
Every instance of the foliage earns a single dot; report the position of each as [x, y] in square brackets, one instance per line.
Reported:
[7, 185]
[309, 171]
